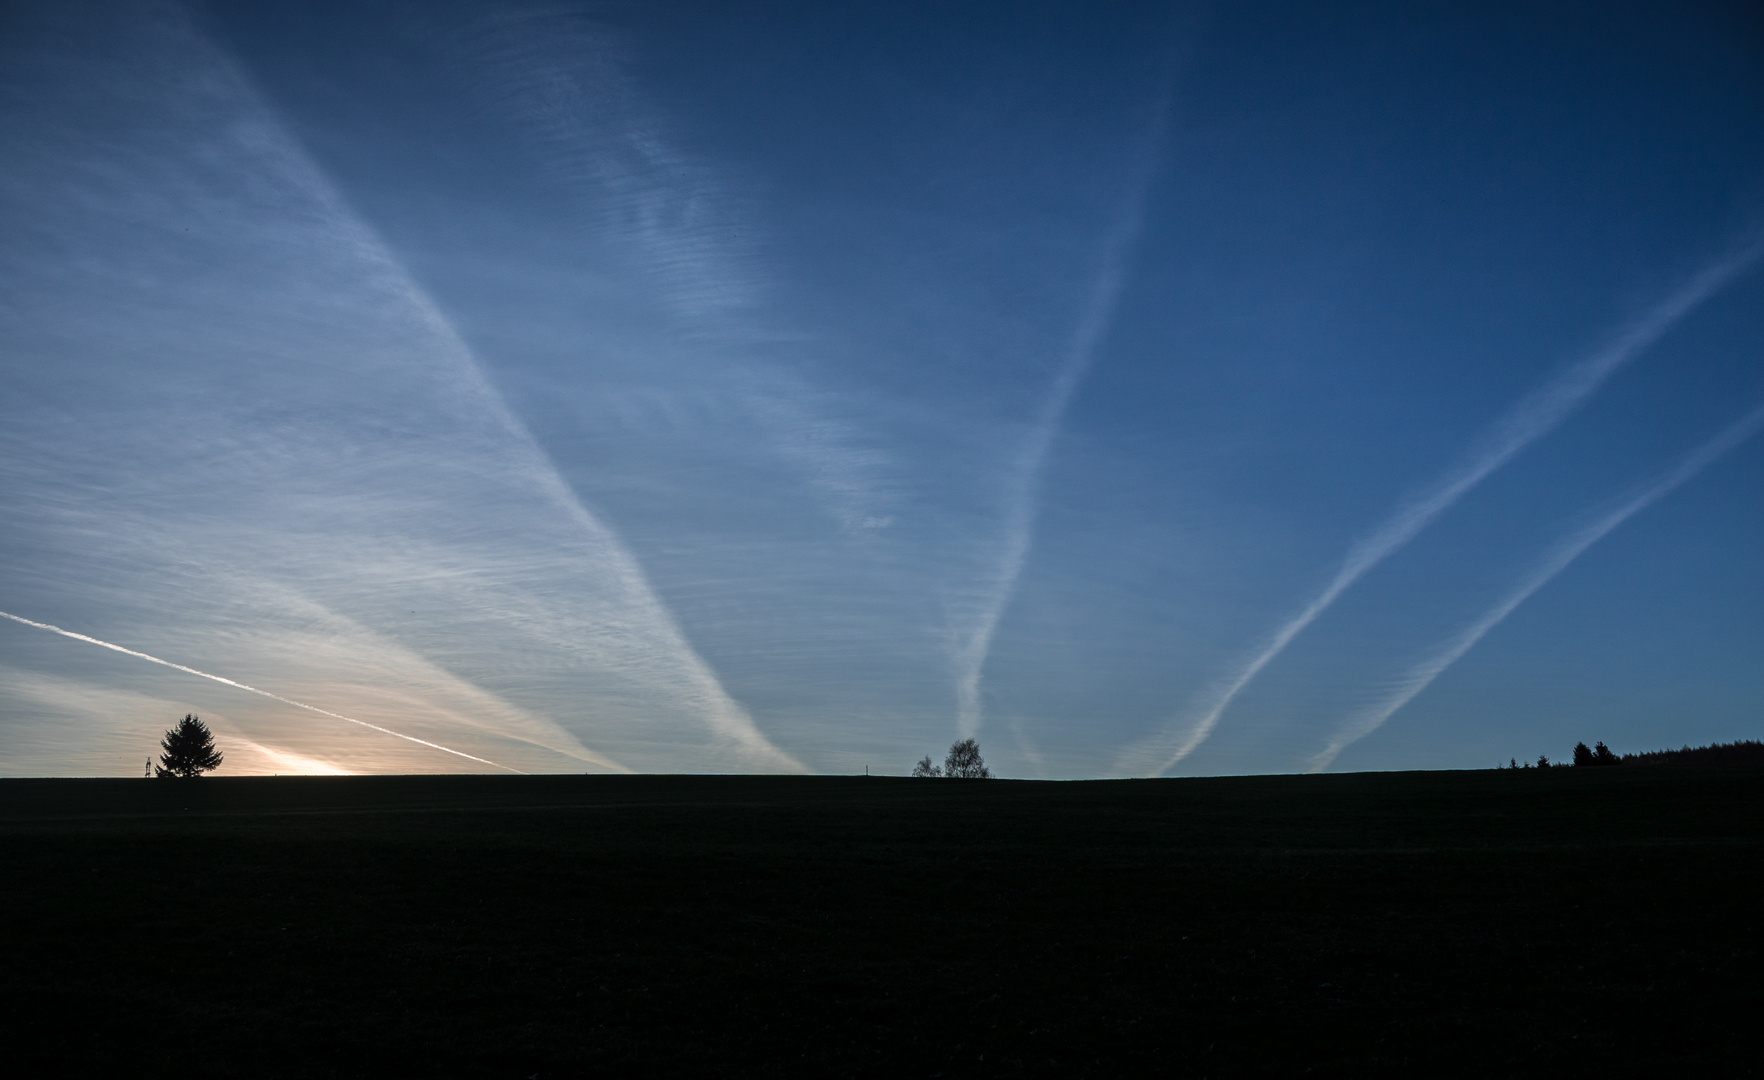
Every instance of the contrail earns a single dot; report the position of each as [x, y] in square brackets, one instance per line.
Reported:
[1099, 312]
[1536, 415]
[658, 197]
[726, 717]
[1566, 552]
[252, 689]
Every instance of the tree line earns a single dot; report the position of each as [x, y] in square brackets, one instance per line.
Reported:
[1741, 752]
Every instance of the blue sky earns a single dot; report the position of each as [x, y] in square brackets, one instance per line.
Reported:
[668, 387]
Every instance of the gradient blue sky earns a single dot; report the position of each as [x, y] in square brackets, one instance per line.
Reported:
[672, 387]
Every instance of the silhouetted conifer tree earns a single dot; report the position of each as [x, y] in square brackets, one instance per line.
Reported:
[188, 750]
[1600, 754]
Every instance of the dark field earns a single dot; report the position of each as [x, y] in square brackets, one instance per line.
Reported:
[1580, 922]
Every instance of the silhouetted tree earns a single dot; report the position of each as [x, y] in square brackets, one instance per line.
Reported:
[188, 750]
[1543, 762]
[926, 768]
[964, 761]
[1600, 754]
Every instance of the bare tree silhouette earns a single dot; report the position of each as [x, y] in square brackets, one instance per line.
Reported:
[964, 761]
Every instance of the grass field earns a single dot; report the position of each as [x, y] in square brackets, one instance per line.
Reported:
[1496, 923]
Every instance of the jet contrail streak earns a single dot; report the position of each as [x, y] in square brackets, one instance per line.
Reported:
[1099, 312]
[1566, 552]
[252, 689]
[1536, 415]
[725, 716]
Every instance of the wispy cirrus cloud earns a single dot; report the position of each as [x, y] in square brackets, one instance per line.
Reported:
[681, 225]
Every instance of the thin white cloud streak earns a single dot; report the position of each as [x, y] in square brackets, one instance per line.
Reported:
[1422, 675]
[250, 689]
[971, 645]
[1536, 415]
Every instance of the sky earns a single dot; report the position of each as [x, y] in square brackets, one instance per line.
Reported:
[669, 387]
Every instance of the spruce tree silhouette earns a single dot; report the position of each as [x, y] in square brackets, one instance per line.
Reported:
[188, 750]
[1600, 754]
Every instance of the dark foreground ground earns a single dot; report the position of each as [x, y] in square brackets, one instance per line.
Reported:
[1589, 922]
